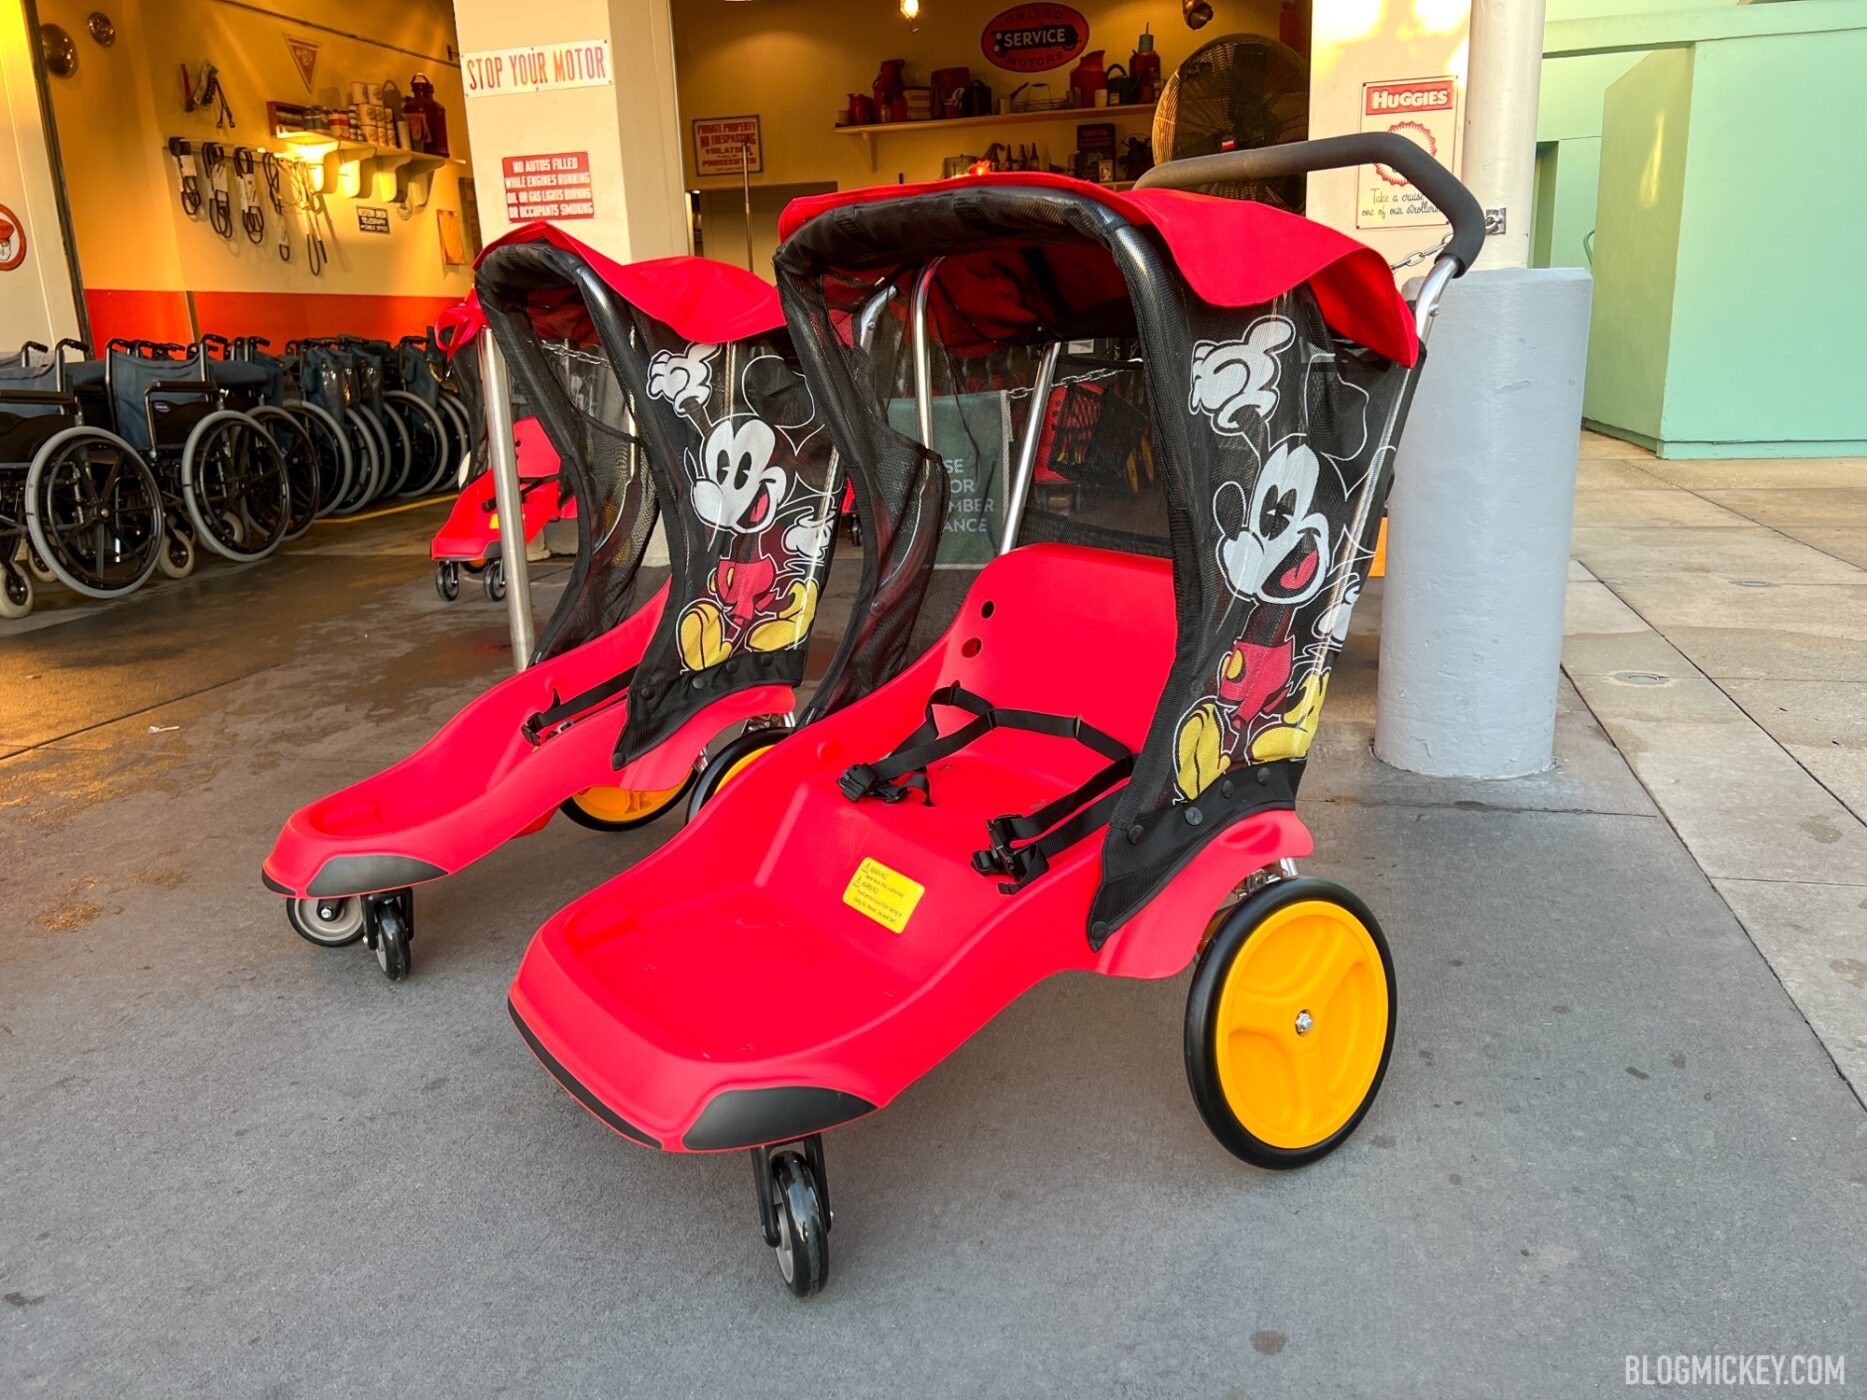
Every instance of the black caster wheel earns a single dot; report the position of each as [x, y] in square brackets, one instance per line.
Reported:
[733, 759]
[494, 581]
[447, 580]
[1290, 1022]
[329, 923]
[391, 926]
[855, 531]
[794, 1212]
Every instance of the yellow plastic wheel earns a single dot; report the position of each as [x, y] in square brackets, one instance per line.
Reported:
[732, 760]
[1290, 1023]
[622, 809]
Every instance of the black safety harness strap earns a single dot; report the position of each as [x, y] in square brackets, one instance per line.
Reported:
[1021, 845]
[548, 723]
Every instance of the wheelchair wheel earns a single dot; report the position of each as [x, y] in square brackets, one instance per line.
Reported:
[295, 445]
[428, 441]
[1290, 1022]
[15, 590]
[394, 462]
[366, 484]
[336, 470]
[177, 559]
[623, 809]
[460, 437]
[94, 512]
[235, 486]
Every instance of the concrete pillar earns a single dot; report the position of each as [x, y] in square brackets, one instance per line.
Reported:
[1478, 530]
[1484, 483]
[1504, 80]
[630, 126]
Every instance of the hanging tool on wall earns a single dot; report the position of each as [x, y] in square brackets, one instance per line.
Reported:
[182, 150]
[197, 92]
[252, 216]
[311, 202]
[275, 193]
[213, 159]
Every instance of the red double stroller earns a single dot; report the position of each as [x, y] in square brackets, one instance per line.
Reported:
[684, 400]
[1095, 767]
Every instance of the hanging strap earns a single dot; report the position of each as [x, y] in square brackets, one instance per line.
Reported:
[548, 723]
[1021, 846]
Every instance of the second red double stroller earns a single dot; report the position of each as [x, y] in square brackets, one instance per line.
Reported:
[681, 400]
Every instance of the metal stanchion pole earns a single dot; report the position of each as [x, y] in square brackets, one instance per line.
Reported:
[505, 467]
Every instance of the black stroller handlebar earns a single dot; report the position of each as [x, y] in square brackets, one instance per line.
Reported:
[1336, 153]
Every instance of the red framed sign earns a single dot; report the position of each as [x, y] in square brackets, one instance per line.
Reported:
[1035, 38]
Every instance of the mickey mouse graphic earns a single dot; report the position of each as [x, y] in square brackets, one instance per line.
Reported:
[1274, 553]
[777, 529]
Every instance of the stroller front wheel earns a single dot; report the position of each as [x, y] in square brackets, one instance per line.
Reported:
[803, 1247]
[389, 925]
[447, 580]
[329, 923]
[1290, 1023]
[494, 581]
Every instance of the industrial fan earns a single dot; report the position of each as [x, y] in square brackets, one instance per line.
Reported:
[1234, 93]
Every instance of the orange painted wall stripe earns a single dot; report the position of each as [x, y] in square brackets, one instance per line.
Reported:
[278, 316]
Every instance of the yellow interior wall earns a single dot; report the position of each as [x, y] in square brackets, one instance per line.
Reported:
[117, 112]
[795, 62]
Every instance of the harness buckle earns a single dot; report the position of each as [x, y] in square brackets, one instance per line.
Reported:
[998, 858]
[859, 782]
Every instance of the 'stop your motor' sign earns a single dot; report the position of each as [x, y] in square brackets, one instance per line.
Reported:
[538, 68]
[1033, 38]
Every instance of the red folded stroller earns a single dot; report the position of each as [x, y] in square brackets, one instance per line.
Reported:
[682, 397]
[469, 539]
[1095, 767]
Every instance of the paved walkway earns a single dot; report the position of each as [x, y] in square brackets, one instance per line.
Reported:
[238, 1165]
[1718, 630]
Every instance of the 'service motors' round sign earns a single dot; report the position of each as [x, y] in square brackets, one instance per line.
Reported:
[1033, 38]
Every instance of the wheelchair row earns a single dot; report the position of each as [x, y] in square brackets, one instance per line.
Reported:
[117, 467]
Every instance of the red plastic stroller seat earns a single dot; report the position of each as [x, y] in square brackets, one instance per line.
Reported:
[765, 1003]
[480, 781]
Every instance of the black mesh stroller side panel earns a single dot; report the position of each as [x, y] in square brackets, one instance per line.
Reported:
[577, 400]
[1281, 445]
[741, 452]
[899, 486]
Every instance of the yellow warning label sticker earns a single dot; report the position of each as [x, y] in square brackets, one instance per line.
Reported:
[886, 896]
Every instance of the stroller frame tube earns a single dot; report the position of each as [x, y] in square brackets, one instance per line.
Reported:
[1018, 491]
[923, 353]
[497, 385]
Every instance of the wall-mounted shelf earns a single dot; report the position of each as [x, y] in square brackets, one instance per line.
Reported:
[871, 135]
[413, 171]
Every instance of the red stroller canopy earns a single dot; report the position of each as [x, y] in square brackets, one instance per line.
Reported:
[709, 302]
[1232, 253]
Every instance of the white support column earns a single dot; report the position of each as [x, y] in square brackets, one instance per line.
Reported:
[1484, 483]
[1501, 92]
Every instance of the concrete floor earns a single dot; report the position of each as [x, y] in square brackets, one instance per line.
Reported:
[238, 1165]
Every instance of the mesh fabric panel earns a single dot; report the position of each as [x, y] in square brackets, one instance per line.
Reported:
[581, 407]
[740, 451]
